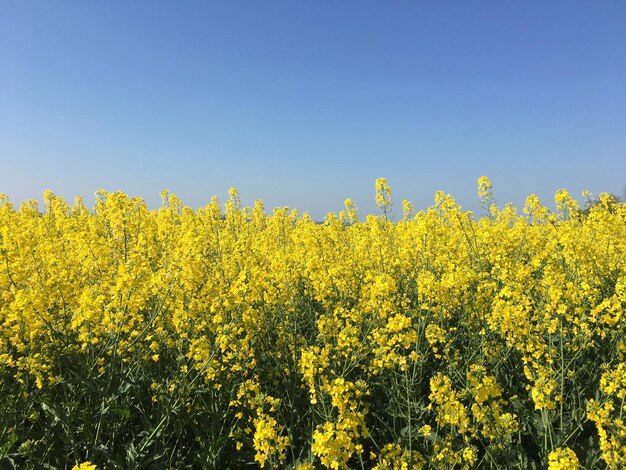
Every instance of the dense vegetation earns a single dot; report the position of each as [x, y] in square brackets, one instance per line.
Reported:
[175, 338]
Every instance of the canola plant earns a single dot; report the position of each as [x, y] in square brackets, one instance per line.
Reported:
[224, 337]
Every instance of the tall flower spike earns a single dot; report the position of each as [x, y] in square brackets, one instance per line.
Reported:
[383, 195]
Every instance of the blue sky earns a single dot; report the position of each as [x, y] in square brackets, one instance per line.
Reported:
[306, 103]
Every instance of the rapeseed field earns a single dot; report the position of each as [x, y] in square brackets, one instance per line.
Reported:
[230, 337]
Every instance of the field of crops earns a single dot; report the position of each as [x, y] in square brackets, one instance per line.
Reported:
[234, 338]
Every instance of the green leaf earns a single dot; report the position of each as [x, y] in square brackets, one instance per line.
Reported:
[121, 411]
[9, 439]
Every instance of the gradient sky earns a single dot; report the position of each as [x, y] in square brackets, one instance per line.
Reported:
[306, 103]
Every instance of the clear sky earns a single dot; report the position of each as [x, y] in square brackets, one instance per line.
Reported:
[306, 103]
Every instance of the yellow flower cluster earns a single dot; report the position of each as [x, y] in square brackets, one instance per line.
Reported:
[563, 458]
[393, 457]
[336, 441]
[84, 466]
[450, 411]
[608, 416]
[441, 337]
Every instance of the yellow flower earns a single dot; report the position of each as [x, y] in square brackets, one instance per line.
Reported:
[484, 187]
[383, 195]
[84, 466]
[563, 458]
